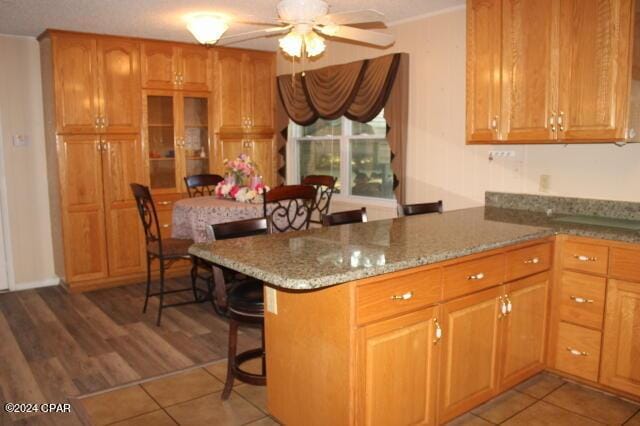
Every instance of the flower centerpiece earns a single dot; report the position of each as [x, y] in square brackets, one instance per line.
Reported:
[242, 182]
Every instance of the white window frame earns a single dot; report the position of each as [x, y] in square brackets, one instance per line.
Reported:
[293, 165]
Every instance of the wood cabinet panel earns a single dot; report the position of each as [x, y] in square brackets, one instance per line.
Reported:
[262, 151]
[523, 342]
[119, 75]
[229, 148]
[195, 68]
[80, 165]
[529, 70]
[528, 261]
[594, 69]
[474, 275]
[260, 91]
[159, 65]
[578, 351]
[122, 165]
[585, 257]
[396, 296]
[397, 370]
[484, 19]
[229, 91]
[76, 83]
[581, 299]
[621, 343]
[468, 374]
[624, 263]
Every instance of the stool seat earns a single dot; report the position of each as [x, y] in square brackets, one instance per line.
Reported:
[246, 298]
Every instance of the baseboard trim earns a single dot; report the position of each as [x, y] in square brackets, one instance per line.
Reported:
[48, 282]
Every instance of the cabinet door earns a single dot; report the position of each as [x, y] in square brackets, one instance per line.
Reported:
[620, 366]
[159, 65]
[258, 91]
[229, 92]
[523, 336]
[161, 137]
[397, 368]
[529, 70]
[119, 66]
[85, 247]
[195, 68]
[468, 375]
[195, 123]
[229, 149]
[76, 83]
[484, 20]
[594, 69]
[262, 153]
[122, 165]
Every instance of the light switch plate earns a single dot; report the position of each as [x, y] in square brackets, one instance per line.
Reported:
[20, 140]
[271, 296]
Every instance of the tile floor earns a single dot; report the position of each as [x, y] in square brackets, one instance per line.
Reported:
[193, 397]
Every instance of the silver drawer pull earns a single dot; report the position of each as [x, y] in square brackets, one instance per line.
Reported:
[534, 261]
[476, 277]
[576, 352]
[583, 258]
[437, 331]
[166, 225]
[164, 203]
[408, 295]
[579, 299]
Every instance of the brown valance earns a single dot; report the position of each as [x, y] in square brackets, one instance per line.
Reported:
[358, 90]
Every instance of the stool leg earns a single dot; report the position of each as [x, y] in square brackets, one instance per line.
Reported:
[231, 358]
[146, 294]
[194, 276]
[161, 292]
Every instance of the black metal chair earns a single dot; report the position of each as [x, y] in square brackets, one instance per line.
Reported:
[165, 250]
[344, 218]
[289, 207]
[422, 208]
[245, 305]
[201, 185]
[324, 185]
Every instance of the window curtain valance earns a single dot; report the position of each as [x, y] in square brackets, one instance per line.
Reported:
[358, 90]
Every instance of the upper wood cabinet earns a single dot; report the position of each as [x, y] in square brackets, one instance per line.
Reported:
[245, 90]
[260, 149]
[562, 74]
[97, 84]
[177, 67]
[483, 69]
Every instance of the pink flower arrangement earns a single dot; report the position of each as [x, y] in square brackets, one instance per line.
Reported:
[233, 186]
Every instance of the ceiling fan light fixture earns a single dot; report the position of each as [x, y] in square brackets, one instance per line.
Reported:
[291, 44]
[314, 44]
[207, 28]
[330, 30]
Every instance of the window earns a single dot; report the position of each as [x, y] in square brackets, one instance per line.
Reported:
[357, 154]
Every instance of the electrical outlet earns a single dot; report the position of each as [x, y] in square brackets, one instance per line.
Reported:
[20, 140]
[545, 183]
[502, 154]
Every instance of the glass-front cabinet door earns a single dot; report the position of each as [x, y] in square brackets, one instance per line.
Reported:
[161, 140]
[177, 126]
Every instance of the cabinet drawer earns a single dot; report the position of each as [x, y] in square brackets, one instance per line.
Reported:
[582, 299]
[397, 295]
[585, 257]
[578, 351]
[474, 275]
[625, 264]
[528, 261]
[164, 220]
[166, 201]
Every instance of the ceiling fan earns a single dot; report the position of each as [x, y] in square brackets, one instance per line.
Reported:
[306, 21]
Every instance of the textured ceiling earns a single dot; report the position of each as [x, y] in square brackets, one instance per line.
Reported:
[165, 19]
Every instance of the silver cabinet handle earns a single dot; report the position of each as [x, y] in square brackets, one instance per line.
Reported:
[561, 121]
[503, 307]
[576, 352]
[508, 304]
[580, 300]
[583, 258]
[552, 122]
[533, 260]
[437, 331]
[99, 145]
[164, 203]
[166, 225]
[494, 122]
[406, 296]
[476, 277]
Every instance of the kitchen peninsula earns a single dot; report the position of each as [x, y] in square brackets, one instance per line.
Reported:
[420, 319]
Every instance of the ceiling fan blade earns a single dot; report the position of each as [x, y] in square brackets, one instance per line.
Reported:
[257, 33]
[364, 36]
[351, 17]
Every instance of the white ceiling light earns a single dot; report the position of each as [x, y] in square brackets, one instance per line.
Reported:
[207, 28]
[291, 44]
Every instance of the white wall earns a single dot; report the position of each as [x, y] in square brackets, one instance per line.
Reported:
[25, 170]
[441, 166]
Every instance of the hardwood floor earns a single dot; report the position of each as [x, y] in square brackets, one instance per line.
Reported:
[55, 345]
